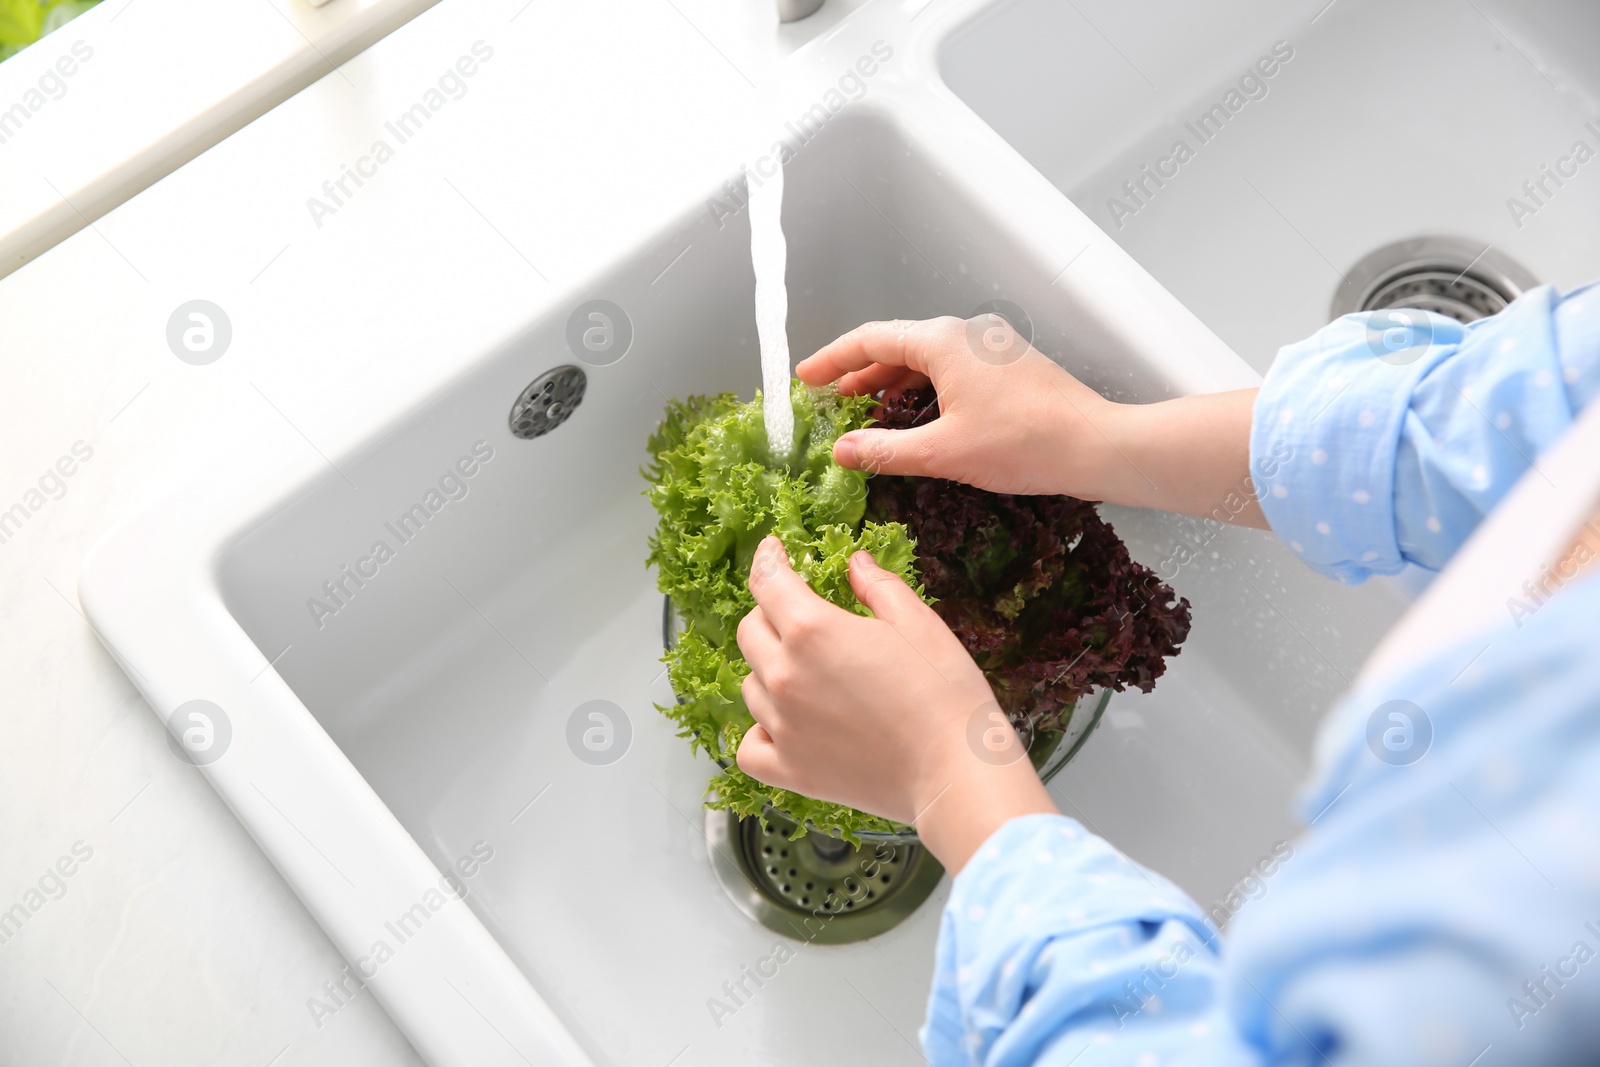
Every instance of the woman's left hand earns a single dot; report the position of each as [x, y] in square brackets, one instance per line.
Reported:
[876, 713]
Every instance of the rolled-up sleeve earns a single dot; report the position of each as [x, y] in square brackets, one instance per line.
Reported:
[1055, 948]
[1384, 438]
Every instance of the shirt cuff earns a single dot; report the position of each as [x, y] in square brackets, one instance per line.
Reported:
[1039, 903]
[1326, 429]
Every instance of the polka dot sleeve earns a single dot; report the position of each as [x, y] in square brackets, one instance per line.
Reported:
[1384, 438]
[1054, 948]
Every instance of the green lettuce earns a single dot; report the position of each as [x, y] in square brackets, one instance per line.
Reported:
[23, 22]
[719, 491]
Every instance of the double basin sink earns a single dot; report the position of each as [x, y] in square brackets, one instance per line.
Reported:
[408, 643]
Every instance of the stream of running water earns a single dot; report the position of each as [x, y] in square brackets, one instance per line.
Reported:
[768, 254]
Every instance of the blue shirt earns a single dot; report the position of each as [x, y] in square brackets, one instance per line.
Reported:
[1442, 910]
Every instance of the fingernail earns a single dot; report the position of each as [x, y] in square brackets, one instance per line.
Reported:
[863, 558]
[844, 451]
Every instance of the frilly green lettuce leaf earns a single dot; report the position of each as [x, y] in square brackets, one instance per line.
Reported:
[719, 491]
[22, 22]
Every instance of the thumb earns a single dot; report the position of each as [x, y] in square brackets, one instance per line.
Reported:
[884, 592]
[758, 756]
[915, 451]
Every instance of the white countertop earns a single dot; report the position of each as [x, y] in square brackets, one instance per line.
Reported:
[175, 942]
[124, 95]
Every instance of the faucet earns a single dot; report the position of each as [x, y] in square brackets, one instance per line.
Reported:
[795, 10]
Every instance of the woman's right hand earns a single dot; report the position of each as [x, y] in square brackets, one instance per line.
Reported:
[1011, 420]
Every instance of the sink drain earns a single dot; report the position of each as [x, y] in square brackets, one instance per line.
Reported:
[547, 402]
[817, 888]
[1461, 279]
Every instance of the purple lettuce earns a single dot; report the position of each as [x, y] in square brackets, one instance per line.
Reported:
[1039, 589]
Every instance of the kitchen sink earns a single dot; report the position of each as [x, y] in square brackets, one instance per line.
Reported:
[406, 649]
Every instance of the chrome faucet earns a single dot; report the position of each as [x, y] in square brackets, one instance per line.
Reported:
[795, 10]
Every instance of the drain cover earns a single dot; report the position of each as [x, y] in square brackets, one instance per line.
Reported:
[1461, 279]
[547, 402]
[817, 888]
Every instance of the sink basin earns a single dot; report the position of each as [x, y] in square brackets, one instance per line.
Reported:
[399, 726]
[1387, 121]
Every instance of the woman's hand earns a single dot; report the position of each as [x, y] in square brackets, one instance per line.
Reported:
[1011, 420]
[888, 714]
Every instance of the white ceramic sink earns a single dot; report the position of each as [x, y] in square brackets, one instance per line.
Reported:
[1388, 121]
[422, 727]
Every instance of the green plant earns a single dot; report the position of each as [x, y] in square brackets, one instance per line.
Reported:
[1039, 589]
[719, 491]
[23, 22]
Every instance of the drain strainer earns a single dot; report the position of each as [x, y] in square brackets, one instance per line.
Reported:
[817, 888]
[1461, 279]
[547, 402]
